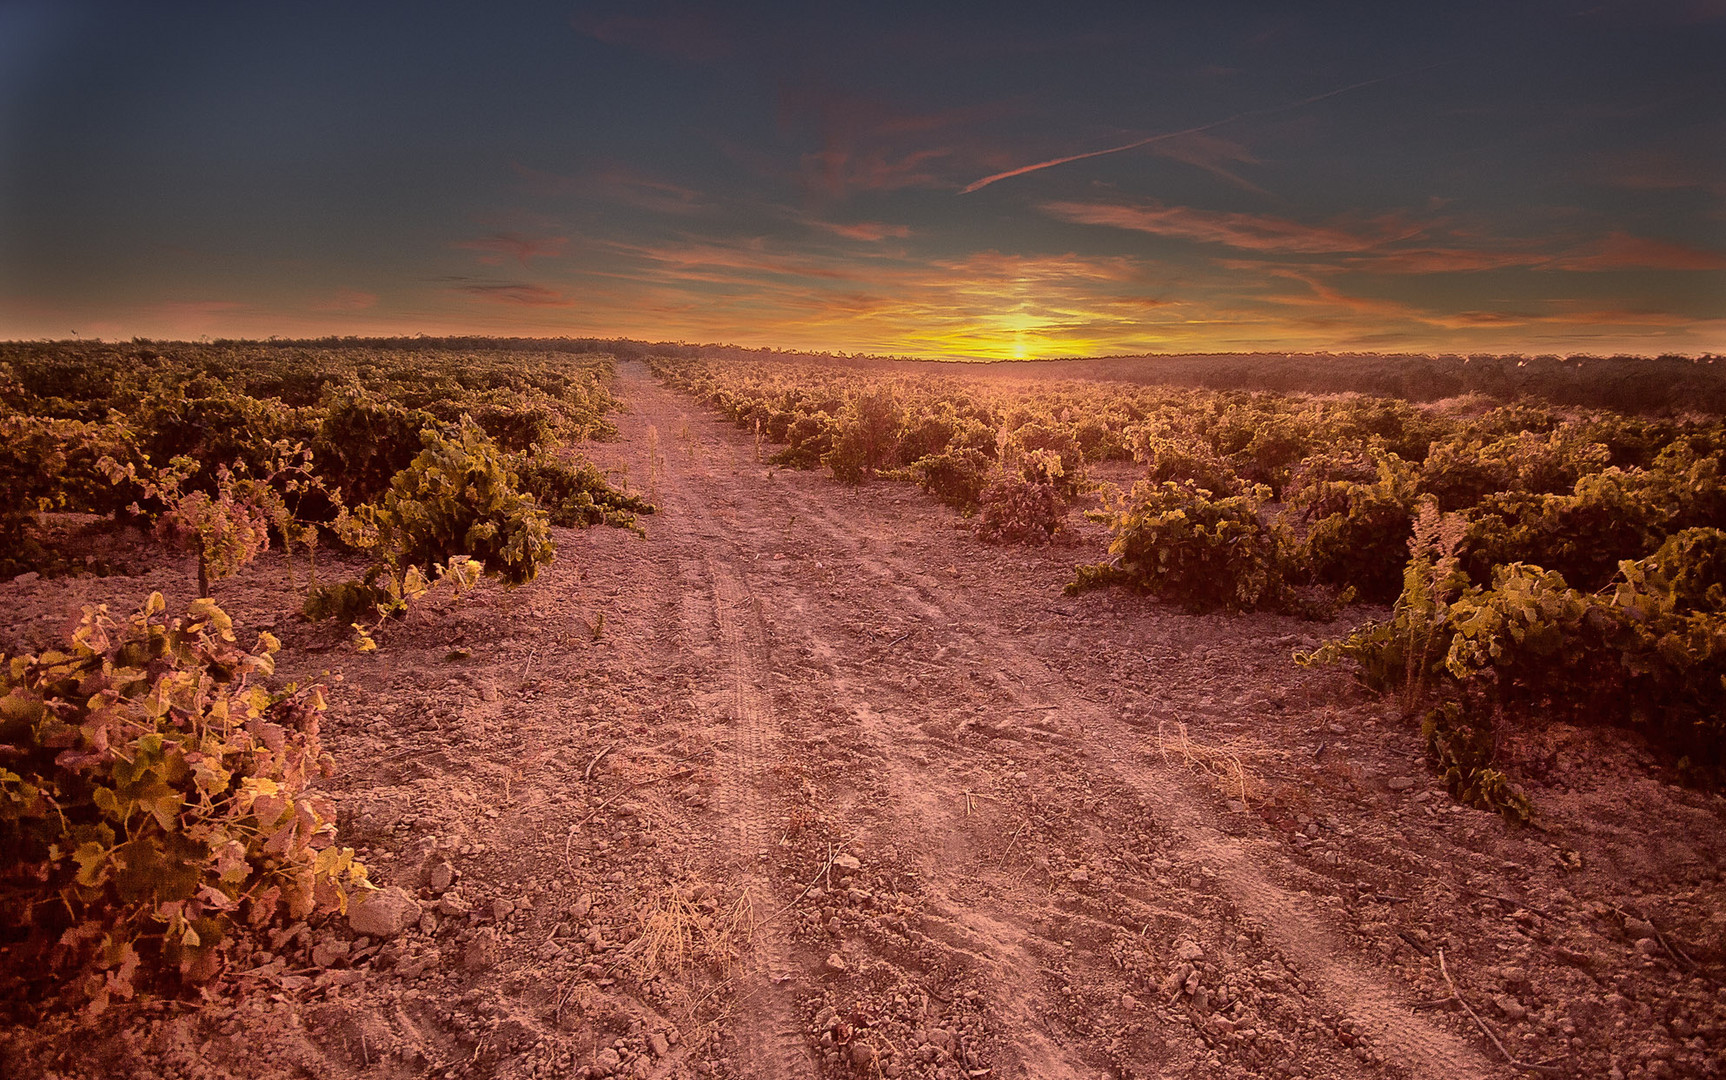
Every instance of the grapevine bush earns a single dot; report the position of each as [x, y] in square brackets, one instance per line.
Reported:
[458, 497]
[956, 477]
[1180, 543]
[1014, 509]
[575, 494]
[156, 800]
[1648, 651]
[1363, 544]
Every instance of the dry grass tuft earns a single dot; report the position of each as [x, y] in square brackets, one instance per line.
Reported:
[1220, 763]
[676, 932]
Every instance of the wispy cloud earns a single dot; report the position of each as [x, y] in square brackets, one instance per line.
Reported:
[501, 246]
[1246, 232]
[1167, 135]
[868, 232]
[514, 292]
[1387, 243]
[1622, 251]
[673, 30]
[616, 183]
[1214, 156]
[874, 145]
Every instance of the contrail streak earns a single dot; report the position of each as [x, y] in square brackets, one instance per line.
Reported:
[1052, 162]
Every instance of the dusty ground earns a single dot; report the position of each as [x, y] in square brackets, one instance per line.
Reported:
[834, 790]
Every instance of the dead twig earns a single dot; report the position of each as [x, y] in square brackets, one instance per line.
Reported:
[569, 841]
[1011, 840]
[597, 758]
[971, 798]
[1551, 1070]
[1414, 943]
[1676, 954]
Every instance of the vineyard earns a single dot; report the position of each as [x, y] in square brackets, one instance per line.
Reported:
[1565, 563]
[906, 720]
[144, 823]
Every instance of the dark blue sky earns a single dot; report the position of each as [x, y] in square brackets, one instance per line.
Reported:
[1535, 177]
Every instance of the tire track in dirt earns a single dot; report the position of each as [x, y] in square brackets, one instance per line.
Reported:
[996, 944]
[717, 611]
[1344, 983]
[1405, 1037]
[996, 940]
[777, 1036]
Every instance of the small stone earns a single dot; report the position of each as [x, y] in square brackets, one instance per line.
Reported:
[326, 953]
[385, 913]
[501, 909]
[1648, 947]
[581, 907]
[656, 1042]
[453, 905]
[1235, 806]
[1129, 1002]
[1638, 928]
[1079, 876]
[26, 577]
[862, 1055]
[1510, 1007]
[1189, 951]
[835, 963]
[850, 864]
[607, 1060]
[440, 877]
[1401, 783]
[483, 952]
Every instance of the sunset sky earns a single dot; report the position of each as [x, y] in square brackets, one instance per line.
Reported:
[981, 180]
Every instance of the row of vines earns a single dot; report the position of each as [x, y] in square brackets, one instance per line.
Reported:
[158, 787]
[1538, 562]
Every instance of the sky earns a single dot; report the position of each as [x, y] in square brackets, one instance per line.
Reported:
[988, 180]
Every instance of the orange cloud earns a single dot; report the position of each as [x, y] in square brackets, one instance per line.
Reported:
[867, 231]
[1621, 251]
[1248, 232]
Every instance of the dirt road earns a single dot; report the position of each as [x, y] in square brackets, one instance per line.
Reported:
[811, 783]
